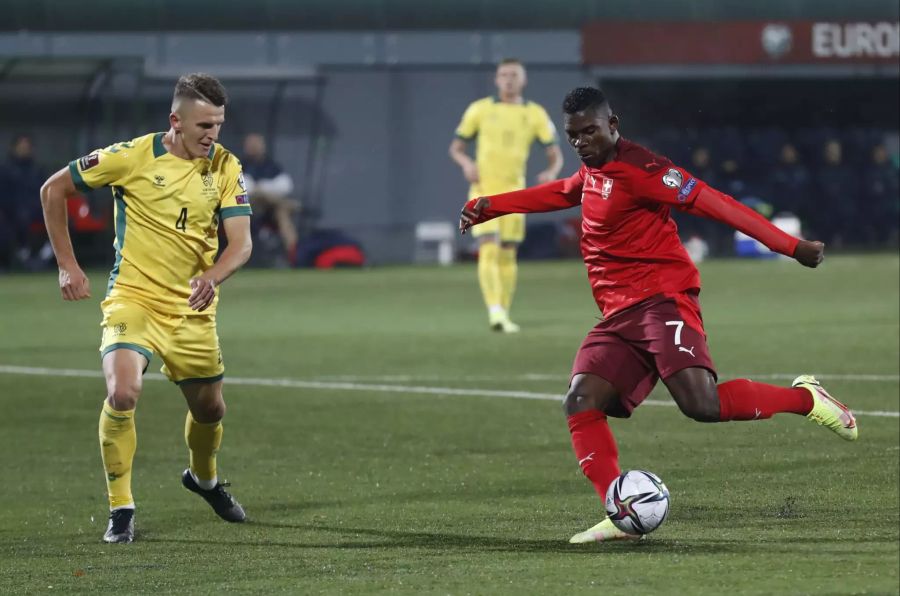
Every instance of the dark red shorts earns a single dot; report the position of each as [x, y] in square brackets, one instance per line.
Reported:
[634, 348]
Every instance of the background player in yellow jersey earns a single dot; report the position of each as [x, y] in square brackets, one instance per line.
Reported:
[172, 190]
[505, 126]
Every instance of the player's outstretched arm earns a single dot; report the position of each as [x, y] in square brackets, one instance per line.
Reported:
[719, 206]
[240, 245]
[553, 196]
[676, 187]
[73, 283]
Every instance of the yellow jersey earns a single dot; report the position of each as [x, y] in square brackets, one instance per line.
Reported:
[505, 133]
[167, 214]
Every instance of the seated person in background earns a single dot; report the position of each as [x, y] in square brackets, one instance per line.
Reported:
[837, 216]
[881, 197]
[20, 205]
[270, 188]
[791, 183]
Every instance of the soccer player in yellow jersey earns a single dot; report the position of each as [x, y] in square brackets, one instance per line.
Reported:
[172, 191]
[505, 127]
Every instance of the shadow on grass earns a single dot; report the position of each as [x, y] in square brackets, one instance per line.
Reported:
[438, 495]
[394, 539]
[351, 538]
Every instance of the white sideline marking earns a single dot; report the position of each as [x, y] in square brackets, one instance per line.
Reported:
[350, 386]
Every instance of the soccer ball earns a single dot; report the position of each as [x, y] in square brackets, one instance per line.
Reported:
[637, 502]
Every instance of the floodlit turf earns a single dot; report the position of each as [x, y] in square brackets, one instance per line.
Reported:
[358, 488]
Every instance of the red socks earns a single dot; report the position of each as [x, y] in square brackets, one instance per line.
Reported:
[743, 399]
[740, 399]
[595, 448]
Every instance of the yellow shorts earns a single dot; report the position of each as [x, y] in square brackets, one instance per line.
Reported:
[510, 228]
[188, 345]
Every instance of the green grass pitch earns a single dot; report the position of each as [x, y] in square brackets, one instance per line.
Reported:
[377, 436]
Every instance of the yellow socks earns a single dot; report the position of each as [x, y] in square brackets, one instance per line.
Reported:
[497, 273]
[118, 441]
[509, 271]
[203, 439]
[489, 274]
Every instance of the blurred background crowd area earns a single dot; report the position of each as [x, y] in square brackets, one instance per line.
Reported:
[341, 112]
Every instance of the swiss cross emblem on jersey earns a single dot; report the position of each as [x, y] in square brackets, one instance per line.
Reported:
[606, 188]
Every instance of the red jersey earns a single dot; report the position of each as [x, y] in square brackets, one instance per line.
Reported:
[629, 241]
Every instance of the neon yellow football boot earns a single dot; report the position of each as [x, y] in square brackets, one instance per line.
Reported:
[602, 532]
[508, 326]
[828, 411]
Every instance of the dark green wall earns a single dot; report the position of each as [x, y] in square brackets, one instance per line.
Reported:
[146, 15]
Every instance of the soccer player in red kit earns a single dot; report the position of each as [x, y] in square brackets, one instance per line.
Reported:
[647, 288]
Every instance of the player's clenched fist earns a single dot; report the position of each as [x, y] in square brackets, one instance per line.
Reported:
[203, 294]
[471, 213]
[810, 254]
[74, 284]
